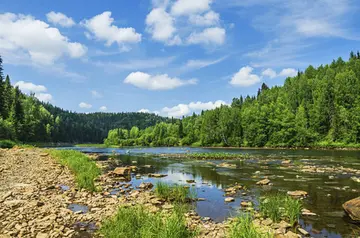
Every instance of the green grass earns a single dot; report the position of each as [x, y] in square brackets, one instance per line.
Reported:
[243, 227]
[137, 222]
[174, 192]
[83, 167]
[7, 144]
[281, 206]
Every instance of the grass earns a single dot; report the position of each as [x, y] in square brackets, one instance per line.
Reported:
[137, 222]
[83, 167]
[7, 144]
[243, 227]
[174, 192]
[281, 206]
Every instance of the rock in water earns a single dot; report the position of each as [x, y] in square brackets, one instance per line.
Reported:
[229, 199]
[352, 208]
[122, 171]
[263, 182]
[297, 193]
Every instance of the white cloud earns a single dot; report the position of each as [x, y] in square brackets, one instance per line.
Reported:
[156, 82]
[244, 77]
[198, 64]
[186, 109]
[39, 43]
[58, 18]
[269, 73]
[103, 108]
[208, 19]
[44, 97]
[85, 105]
[96, 94]
[214, 35]
[188, 7]
[102, 29]
[143, 110]
[28, 87]
[160, 25]
[289, 72]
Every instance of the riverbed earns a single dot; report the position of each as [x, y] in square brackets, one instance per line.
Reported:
[328, 187]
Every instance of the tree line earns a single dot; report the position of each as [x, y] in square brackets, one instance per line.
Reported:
[318, 107]
[24, 118]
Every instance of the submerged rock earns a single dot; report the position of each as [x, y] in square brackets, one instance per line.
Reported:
[352, 208]
[297, 193]
[122, 171]
[263, 182]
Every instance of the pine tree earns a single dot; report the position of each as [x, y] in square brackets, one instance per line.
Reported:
[17, 114]
[2, 103]
[7, 97]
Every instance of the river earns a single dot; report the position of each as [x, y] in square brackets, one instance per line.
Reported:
[327, 190]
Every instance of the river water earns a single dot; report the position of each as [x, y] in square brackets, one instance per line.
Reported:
[327, 191]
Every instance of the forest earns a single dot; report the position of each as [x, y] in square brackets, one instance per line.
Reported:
[24, 118]
[318, 107]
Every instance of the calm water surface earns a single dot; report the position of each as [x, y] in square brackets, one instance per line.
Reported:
[326, 195]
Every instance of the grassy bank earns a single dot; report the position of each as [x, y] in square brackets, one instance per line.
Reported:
[83, 167]
[7, 144]
[137, 222]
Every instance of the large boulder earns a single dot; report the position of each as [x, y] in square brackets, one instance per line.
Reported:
[352, 208]
[122, 171]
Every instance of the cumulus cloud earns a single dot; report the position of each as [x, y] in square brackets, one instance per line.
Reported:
[101, 28]
[39, 43]
[85, 105]
[96, 94]
[188, 7]
[245, 77]
[58, 18]
[208, 19]
[160, 25]
[186, 109]
[289, 72]
[156, 82]
[103, 108]
[38, 90]
[44, 97]
[143, 110]
[28, 87]
[214, 35]
[269, 73]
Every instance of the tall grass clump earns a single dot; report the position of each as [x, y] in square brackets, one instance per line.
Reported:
[280, 206]
[137, 222]
[83, 167]
[243, 227]
[174, 192]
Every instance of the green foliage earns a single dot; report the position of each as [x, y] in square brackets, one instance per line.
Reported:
[83, 167]
[281, 206]
[7, 144]
[174, 193]
[318, 106]
[243, 227]
[137, 222]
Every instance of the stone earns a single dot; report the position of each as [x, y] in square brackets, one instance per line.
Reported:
[303, 232]
[44, 154]
[227, 165]
[297, 193]
[267, 222]
[190, 181]
[246, 204]
[306, 212]
[286, 162]
[352, 208]
[263, 182]
[157, 175]
[122, 171]
[355, 179]
[41, 235]
[291, 234]
[229, 199]
[146, 186]
[167, 206]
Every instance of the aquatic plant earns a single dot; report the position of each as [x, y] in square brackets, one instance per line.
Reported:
[243, 227]
[82, 166]
[137, 222]
[280, 206]
[174, 192]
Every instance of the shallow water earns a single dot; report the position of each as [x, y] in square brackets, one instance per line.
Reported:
[326, 195]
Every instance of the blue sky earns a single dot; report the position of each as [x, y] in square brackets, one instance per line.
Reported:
[171, 57]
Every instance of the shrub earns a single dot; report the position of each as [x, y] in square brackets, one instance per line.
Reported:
[7, 144]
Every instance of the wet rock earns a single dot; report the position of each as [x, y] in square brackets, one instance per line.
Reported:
[355, 179]
[146, 186]
[352, 208]
[246, 204]
[157, 175]
[303, 232]
[306, 212]
[291, 234]
[201, 199]
[229, 199]
[227, 165]
[286, 162]
[122, 171]
[263, 182]
[190, 181]
[297, 193]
